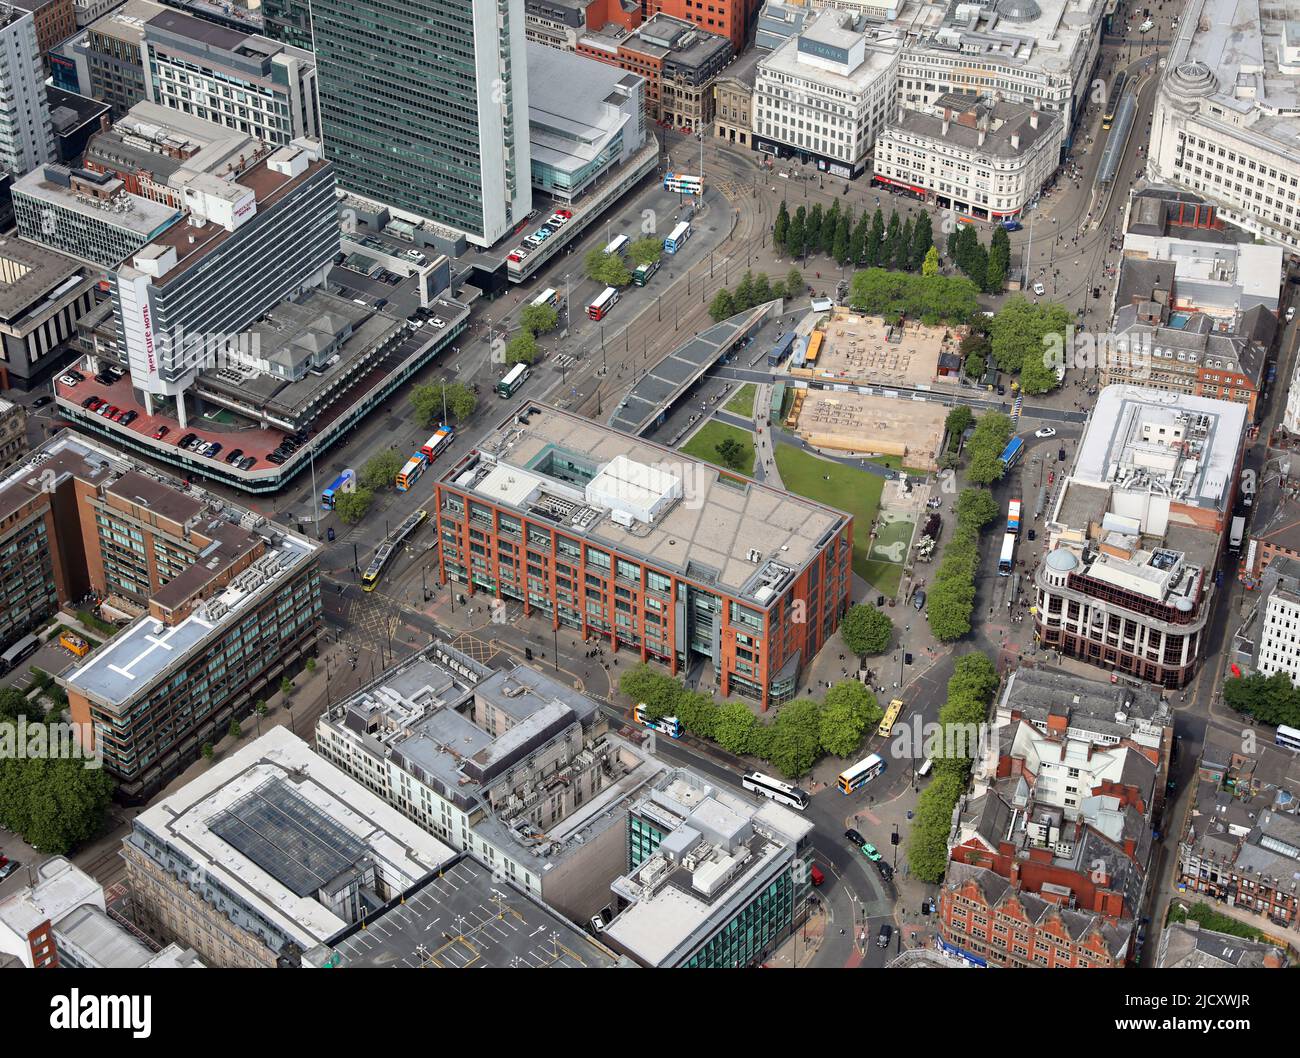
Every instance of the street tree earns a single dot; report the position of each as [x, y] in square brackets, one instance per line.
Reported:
[866, 630]
[646, 250]
[380, 471]
[522, 348]
[539, 319]
[351, 507]
[848, 712]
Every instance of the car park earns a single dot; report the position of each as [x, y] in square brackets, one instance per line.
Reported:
[854, 838]
[161, 432]
[1046, 431]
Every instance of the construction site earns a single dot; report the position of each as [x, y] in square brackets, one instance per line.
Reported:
[861, 424]
[866, 350]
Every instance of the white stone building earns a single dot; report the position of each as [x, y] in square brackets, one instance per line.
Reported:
[981, 158]
[1227, 112]
[824, 95]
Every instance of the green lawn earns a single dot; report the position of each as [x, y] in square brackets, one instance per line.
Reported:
[849, 489]
[743, 402]
[896, 463]
[884, 569]
[704, 445]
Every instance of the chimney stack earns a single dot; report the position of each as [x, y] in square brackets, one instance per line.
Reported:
[1033, 118]
[983, 133]
[945, 123]
[1015, 140]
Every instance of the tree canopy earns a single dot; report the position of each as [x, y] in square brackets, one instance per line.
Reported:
[866, 630]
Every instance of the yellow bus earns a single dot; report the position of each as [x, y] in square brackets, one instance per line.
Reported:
[890, 718]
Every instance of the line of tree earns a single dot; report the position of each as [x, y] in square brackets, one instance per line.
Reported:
[754, 290]
[802, 731]
[985, 447]
[986, 266]
[970, 690]
[903, 245]
[950, 599]
[56, 803]
[933, 299]
[1268, 699]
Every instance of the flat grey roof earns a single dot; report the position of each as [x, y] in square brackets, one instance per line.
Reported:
[28, 275]
[463, 918]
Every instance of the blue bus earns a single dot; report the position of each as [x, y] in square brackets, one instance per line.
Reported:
[1011, 454]
[345, 482]
[677, 238]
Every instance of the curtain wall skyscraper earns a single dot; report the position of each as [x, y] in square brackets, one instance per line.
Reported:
[424, 107]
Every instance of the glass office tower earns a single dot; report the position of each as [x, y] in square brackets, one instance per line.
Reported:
[424, 107]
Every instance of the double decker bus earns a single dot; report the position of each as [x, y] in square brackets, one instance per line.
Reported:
[515, 378]
[677, 237]
[599, 308]
[775, 790]
[389, 548]
[643, 273]
[684, 184]
[814, 348]
[550, 296]
[411, 471]
[438, 443]
[345, 482]
[890, 718]
[861, 773]
[1013, 517]
[1113, 98]
[618, 245]
[1288, 737]
[669, 725]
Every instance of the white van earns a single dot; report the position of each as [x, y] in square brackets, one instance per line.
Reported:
[924, 769]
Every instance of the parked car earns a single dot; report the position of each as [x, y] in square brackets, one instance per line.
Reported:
[89, 401]
[129, 417]
[185, 441]
[234, 455]
[918, 601]
[247, 463]
[871, 852]
[214, 450]
[7, 867]
[886, 871]
[274, 458]
[161, 432]
[71, 373]
[1046, 431]
[854, 838]
[1290, 313]
[67, 380]
[565, 213]
[109, 410]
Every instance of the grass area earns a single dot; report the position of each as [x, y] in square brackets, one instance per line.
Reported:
[855, 491]
[896, 463]
[743, 402]
[884, 569]
[704, 445]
